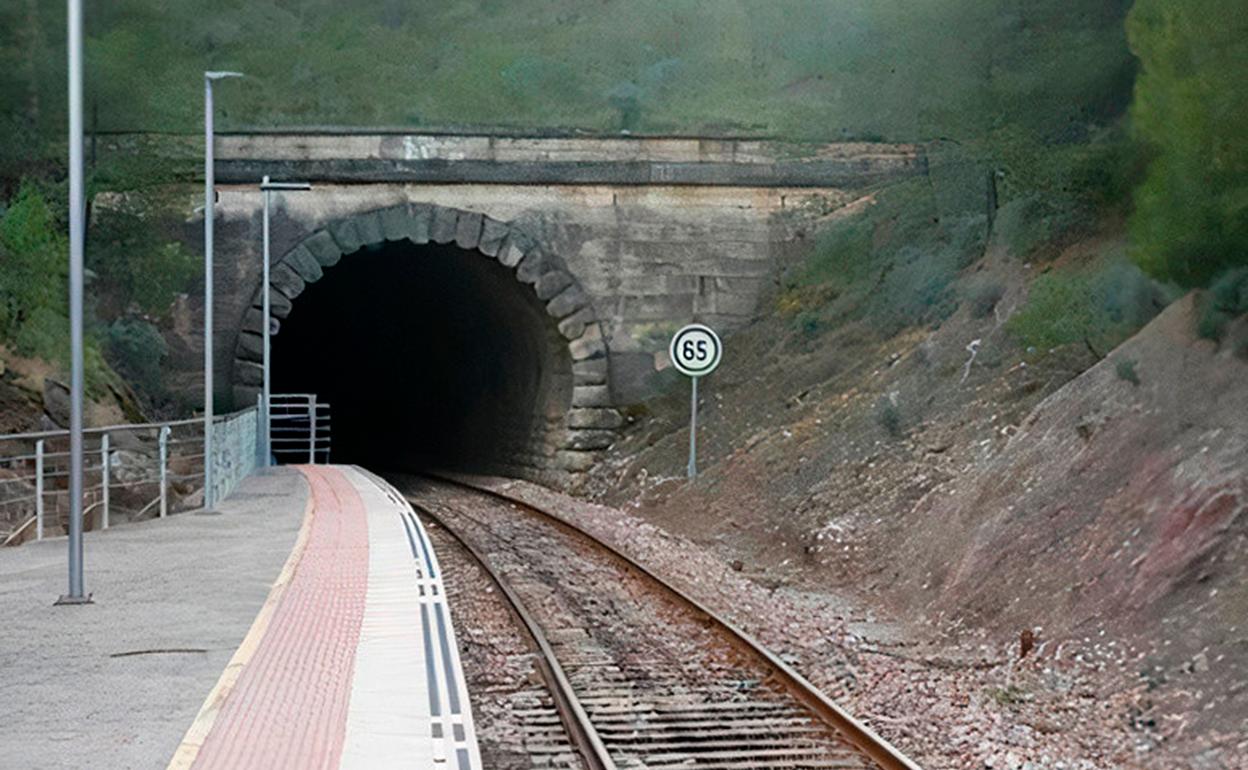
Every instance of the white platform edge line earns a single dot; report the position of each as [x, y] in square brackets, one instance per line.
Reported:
[465, 717]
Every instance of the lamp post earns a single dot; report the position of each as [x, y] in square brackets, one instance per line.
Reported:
[77, 213]
[268, 187]
[209, 201]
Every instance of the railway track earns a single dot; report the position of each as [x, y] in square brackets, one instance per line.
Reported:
[640, 674]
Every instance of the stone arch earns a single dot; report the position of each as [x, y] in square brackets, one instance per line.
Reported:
[590, 423]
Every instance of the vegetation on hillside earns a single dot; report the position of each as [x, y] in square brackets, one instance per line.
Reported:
[1025, 104]
[1190, 111]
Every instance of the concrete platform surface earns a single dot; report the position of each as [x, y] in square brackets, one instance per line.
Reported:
[115, 684]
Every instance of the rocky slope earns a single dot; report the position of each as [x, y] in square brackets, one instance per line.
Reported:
[976, 492]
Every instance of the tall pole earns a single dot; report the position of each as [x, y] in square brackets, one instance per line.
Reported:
[77, 213]
[268, 187]
[264, 321]
[210, 199]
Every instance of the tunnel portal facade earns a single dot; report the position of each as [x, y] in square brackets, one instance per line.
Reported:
[563, 412]
[584, 253]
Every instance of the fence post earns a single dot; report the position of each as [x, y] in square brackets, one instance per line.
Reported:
[39, 489]
[164, 471]
[262, 444]
[104, 480]
[312, 429]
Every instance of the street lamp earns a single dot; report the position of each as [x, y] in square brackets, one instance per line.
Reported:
[77, 215]
[209, 201]
[268, 187]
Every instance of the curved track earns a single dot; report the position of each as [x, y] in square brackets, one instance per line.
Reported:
[643, 675]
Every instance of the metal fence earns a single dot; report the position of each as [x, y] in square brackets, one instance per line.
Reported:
[135, 472]
[300, 425]
[132, 472]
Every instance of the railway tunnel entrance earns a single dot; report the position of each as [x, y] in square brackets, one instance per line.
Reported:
[432, 357]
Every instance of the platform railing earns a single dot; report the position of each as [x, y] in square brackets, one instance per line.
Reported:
[133, 472]
[300, 425]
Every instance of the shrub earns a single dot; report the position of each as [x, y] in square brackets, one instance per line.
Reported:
[1099, 306]
[1125, 369]
[983, 296]
[1225, 300]
[888, 415]
[137, 350]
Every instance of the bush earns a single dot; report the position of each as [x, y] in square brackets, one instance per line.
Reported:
[893, 266]
[1225, 300]
[1098, 306]
[983, 296]
[137, 350]
[1125, 369]
[888, 415]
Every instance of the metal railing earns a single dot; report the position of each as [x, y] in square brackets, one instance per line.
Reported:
[300, 425]
[132, 472]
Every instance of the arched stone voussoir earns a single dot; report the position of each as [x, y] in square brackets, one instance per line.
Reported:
[468, 229]
[284, 278]
[571, 300]
[369, 229]
[493, 232]
[303, 263]
[346, 235]
[323, 247]
[551, 284]
[445, 223]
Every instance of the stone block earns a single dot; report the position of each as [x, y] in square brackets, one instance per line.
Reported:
[445, 223]
[279, 304]
[324, 248]
[468, 230]
[250, 347]
[245, 396]
[253, 320]
[590, 439]
[369, 228]
[284, 278]
[551, 285]
[492, 234]
[304, 264]
[595, 419]
[532, 266]
[591, 396]
[573, 325]
[421, 225]
[588, 345]
[590, 372]
[346, 236]
[574, 461]
[248, 373]
[394, 222]
[509, 251]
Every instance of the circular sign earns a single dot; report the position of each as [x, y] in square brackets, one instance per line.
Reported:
[695, 350]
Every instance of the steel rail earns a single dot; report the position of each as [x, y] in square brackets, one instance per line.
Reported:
[855, 732]
[575, 719]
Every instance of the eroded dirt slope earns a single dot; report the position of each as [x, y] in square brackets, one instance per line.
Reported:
[974, 491]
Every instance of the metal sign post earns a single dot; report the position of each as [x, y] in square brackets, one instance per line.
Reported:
[695, 351]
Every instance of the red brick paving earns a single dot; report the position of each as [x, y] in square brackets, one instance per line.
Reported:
[289, 707]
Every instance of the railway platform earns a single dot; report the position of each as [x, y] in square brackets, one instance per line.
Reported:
[301, 624]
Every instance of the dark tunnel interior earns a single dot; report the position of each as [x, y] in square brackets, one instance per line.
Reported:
[431, 357]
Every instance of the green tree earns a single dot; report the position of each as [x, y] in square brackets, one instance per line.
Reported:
[1190, 222]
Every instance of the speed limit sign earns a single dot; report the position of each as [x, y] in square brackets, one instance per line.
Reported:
[695, 350]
